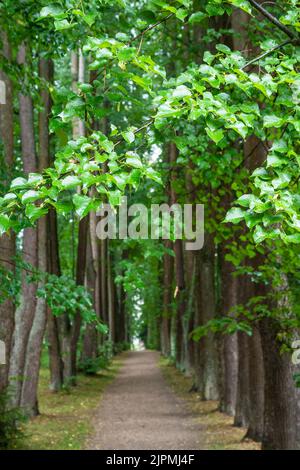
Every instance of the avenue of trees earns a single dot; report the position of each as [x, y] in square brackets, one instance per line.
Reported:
[175, 101]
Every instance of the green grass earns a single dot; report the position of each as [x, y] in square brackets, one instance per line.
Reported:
[66, 417]
[217, 430]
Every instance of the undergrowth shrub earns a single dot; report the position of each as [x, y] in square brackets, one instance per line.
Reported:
[11, 420]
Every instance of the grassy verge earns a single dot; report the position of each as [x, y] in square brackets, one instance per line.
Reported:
[218, 430]
[65, 419]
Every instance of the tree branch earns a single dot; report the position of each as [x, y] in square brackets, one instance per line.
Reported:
[273, 19]
[265, 54]
[149, 28]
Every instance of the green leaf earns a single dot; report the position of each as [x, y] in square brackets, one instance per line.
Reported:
[53, 10]
[235, 215]
[70, 182]
[293, 238]
[30, 196]
[19, 183]
[282, 181]
[33, 212]
[223, 48]
[260, 234]
[181, 91]
[114, 197]
[242, 4]
[165, 110]
[129, 136]
[197, 17]
[181, 14]
[153, 175]
[273, 121]
[63, 24]
[4, 223]
[245, 200]
[216, 135]
[82, 204]
[240, 128]
[35, 178]
[120, 180]
[126, 53]
[133, 160]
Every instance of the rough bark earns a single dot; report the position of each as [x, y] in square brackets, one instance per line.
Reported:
[280, 413]
[25, 312]
[242, 411]
[256, 387]
[167, 299]
[180, 295]
[89, 347]
[56, 365]
[209, 346]
[80, 279]
[7, 242]
[111, 299]
[29, 395]
[229, 352]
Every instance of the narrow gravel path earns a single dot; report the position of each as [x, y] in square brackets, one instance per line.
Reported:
[140, 411]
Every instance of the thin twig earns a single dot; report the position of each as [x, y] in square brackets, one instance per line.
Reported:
[149, 28]
[265, 54]
[273, 19]
[136, 131]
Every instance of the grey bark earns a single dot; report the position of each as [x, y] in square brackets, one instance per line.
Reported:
[25, 313]
[7, 242]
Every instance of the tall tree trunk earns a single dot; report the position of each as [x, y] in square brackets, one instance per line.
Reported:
[188, 319]
[56, 364]
[7, 242]
[29, 396]
[167, 300]
[179, 267]
[46, 70]
[72, 332]
[280, 412]
[89, 347]
[103, 283]
[210, 380]
[256, 387]
[198, 348]
[80, 278]
[242, 412]
[24, 313]
[229, 352]
[111, 298]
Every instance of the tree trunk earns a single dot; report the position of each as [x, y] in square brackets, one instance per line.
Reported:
[179, 266]
[80, 278]
[210, 382]
[29, 395]
[229, 352]
[89, 347]
[7, 242]
[280, 413]
[256, 387]
[242, 412]
[167, 300]
[56, 364]
[25, 312]
[111, 298]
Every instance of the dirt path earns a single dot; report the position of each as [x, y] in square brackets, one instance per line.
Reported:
[140, 411]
